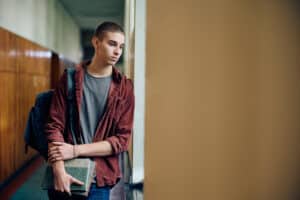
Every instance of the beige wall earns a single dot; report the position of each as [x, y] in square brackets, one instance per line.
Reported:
[222, 100]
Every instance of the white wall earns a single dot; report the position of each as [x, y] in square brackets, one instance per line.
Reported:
[44, 22]
[139, 86]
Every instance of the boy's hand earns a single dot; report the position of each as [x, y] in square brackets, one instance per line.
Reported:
[60, 151]
[63, 180]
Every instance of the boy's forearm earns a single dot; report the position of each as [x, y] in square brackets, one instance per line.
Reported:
[58, 167]
[102, 148]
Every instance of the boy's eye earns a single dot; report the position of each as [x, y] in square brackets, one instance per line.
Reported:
[112, 43]
[115, 44]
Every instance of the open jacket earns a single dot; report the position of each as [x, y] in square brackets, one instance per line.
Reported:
[114, 127]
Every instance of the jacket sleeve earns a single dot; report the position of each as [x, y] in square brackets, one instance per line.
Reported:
[120, 140]
[55, 125]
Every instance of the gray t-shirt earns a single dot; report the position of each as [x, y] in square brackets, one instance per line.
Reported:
[93, 104]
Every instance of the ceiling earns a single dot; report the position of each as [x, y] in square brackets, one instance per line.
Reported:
[89, 13]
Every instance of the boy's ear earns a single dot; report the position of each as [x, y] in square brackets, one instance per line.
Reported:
[95, 41]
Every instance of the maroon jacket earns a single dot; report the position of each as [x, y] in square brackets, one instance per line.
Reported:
[115, 126]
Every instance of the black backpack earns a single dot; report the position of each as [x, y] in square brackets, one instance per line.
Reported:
[34, 134]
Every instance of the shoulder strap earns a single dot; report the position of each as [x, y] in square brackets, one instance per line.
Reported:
[71, 101]
[70, 79]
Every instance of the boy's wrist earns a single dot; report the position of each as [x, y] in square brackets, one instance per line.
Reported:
[76, 152]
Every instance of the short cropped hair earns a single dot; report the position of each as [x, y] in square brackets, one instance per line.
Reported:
[107, 27]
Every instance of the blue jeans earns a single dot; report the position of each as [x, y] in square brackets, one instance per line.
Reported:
[99, 193]
[95, 193]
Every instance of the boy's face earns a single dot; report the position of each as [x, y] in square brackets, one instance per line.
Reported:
[110, 48]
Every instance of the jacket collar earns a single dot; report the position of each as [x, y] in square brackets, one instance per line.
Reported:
[116, 75]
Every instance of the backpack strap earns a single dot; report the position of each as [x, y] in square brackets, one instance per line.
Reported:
[71, 102]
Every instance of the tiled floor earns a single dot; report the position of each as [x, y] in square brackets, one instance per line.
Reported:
[31, 188]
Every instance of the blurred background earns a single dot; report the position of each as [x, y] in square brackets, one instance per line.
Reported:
[216, 83]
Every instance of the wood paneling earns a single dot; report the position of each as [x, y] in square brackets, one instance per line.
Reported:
[8, 51]
[7, 123]
[27, 88]
[24, 71]
[32, 59]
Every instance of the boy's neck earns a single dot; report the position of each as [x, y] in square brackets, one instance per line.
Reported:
[99, 69]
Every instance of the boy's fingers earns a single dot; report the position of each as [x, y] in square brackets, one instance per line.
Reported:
[57, 143]
[76, 181]
[53, 159]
